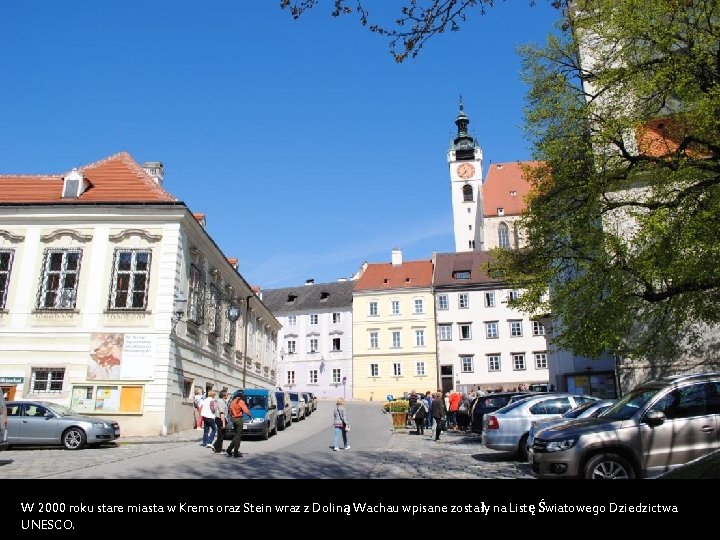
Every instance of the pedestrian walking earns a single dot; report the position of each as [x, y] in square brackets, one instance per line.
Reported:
[197, 402]
[221, 415]
[418, 414]
[237, 409]
[207, 411]
[438, 414]
[341, 425]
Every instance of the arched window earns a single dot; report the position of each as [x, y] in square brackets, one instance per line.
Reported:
[467, 193]
[503, 236]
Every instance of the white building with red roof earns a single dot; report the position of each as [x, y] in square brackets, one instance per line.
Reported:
[114, 299]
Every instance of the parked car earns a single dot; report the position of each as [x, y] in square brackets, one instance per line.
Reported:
[585, 410]
[45, 423]
[508, 428]
[657, 426]
[703, 468]
[263, 407]
[298, 406]
[284, 409]
[3, 423]
[490, 403]
[313, 401]
[308, 403]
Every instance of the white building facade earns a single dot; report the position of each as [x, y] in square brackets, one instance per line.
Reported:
[115, 300]
[315, 345]
[482, 342]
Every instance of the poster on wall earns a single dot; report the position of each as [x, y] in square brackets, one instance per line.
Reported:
[138, 356]
[121, 356]
[105, 356]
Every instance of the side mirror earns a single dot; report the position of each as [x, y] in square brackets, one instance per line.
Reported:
[654, 418]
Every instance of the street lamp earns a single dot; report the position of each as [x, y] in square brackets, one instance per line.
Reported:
[178, 310]
[247, 320]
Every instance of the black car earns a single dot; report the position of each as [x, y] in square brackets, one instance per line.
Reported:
[490, 403]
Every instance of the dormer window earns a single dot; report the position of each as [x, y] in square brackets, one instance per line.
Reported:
[500, 211]
[461, 274]
[74, 184]
[291, 298]
[324, 296]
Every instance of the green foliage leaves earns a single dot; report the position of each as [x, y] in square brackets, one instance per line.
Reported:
[623, 220]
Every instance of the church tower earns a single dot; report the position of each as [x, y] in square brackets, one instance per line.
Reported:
[465, 163]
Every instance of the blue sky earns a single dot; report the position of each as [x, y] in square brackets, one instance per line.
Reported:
[307, 147]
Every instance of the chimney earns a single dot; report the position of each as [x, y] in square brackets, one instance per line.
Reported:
[233, 262]
[200, 218]
[309, 282]
[396, 257]
[155, 170]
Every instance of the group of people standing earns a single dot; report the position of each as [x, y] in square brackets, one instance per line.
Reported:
[214, 413]
[438, 411]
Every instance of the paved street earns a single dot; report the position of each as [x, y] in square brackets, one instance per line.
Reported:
[301, 451]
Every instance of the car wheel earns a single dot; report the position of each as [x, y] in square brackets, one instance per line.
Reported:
[609, 467]
[266, 433]
[522, 448]
[74, 438]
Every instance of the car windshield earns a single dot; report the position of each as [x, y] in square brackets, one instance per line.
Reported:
[256, 402]
[629, 404]
[293, 397]
[61, 410]
[577, 411]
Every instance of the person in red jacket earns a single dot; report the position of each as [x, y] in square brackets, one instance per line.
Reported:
[237, 409]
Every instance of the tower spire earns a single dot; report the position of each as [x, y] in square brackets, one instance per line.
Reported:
[463, 144]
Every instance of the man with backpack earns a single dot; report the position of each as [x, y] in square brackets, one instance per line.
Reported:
[418, 412]
[237, 409]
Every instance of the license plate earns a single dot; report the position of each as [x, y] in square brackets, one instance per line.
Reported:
[245, 426]
[117, 432]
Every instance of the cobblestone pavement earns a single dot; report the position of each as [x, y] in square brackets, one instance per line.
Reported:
[456, 456]
[407, 456]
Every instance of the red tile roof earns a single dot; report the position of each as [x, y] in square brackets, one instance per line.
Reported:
[115, 179]
[408, 275]
[504, 179]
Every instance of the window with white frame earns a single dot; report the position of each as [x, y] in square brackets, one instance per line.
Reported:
[396, 339]
[397, 369]
[465, 330]
[291, 346]
[516, 329]
[47, 380]
[395, 307]
[538, 328]
[418, 306]
[291, 377]
[445, 332]
[419, 338]
[336, 317]
[491, 330]
[131, 277]
[541, 360]
[463, 300]
[336, 344]
[313, 376]
[373, 309]
[513, 295]
[313, 345]
[374, 340]
[518, 361]
[374, 370]
[59, 282]
[6, 260]
[313, 318]
[466, 364]
[490, 299]
[292, 320]
[493, 362]
[419, 368]
[442, 302]
[336, 375]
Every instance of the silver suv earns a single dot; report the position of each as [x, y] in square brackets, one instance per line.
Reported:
[657, 426]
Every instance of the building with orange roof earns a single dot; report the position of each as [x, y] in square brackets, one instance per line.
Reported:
[394, 345]
[115, 300]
